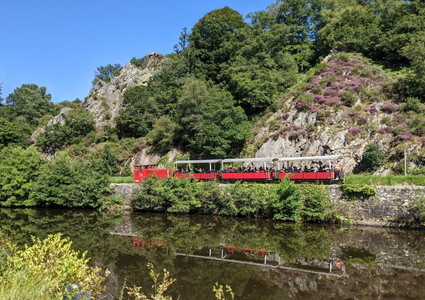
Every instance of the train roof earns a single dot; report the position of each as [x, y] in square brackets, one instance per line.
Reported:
[319, 157]
[198, 161]
[258, 159]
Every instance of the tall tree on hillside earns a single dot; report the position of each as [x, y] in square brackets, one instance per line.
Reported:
[213, 38]
[139, 114]
[210, 124]
[350, 27]
[31, 102]
[14, 132]
[300, 17]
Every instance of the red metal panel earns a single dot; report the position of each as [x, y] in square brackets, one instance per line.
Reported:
[324, 175]
[159, 173]
[310, 176]
[246, 176]
[205, 175]
[282, 175]
[229, 175]
[297, 176]
[138, 176]
[182, 175]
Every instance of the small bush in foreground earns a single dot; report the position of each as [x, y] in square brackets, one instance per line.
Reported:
[53, 261]
[23, 285]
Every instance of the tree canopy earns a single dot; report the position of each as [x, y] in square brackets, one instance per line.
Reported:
[30, 102]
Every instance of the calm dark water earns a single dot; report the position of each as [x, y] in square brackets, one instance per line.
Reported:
[201, 250]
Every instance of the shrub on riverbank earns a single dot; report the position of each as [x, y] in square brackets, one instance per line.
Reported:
[49, 269]
[286, 201]
[28, 180]
[70, 184]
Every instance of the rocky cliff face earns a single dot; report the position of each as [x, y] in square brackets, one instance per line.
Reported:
[339, 109]
[106, 98]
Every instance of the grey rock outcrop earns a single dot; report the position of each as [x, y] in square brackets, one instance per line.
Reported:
[60, 118]
[339, 111]
[106, 98]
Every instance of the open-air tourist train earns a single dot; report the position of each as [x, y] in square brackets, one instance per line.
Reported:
[326, 169]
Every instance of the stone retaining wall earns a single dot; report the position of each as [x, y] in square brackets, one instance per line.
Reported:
[392, 206]
[125, 190]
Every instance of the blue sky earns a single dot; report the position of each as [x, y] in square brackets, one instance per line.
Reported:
[60, 43]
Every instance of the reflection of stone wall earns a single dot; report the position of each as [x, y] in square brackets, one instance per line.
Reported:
[390, 206]
[125, 190]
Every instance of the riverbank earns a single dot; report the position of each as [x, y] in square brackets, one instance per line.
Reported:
[387, 206]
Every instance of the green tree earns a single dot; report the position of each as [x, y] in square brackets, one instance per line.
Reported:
[106, 73]
[77, 124]
[299, 19]
[262, 68]
[415, 51]
[140, 113]
[64, 183]
[161, 137]
[373, 158]
[19, 169]
[14, 132]
[352, 27]
[31, 102]
[209, 123]
[214, 39]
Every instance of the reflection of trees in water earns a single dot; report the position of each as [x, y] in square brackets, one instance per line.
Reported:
[367, 251]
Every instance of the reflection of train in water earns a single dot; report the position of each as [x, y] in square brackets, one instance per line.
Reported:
[253, 257]
[326, 169]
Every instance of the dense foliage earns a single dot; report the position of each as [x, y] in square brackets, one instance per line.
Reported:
[286, 201]
[27, 180]
[76, 125]
[106, 73]
[51, 269]
[227, 73]
[373, 158]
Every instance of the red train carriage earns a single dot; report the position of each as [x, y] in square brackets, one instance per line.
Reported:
[185, 169]
[146, 171]
[315, 168]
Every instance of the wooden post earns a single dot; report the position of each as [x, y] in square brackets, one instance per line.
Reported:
[405, 163]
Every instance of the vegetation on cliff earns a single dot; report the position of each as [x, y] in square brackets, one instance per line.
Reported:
[235, 84]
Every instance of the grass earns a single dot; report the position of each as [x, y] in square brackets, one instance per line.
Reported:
[23, 286]
[386, 180]
[118, 179]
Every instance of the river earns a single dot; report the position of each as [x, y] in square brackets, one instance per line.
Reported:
[259, 259]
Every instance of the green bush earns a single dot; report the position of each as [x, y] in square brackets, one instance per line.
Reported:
[53, 266]
[19, 170]
[316, 202]
[385, 180]
[63, 183]
[286, 201]
[358, 190]
[251, 200]
[373, 158]
[288, 205]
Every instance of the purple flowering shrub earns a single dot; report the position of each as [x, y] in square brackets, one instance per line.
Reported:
[386, 129]
[293, 135]
[389, 108]
[371, 109]
[354, 130]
